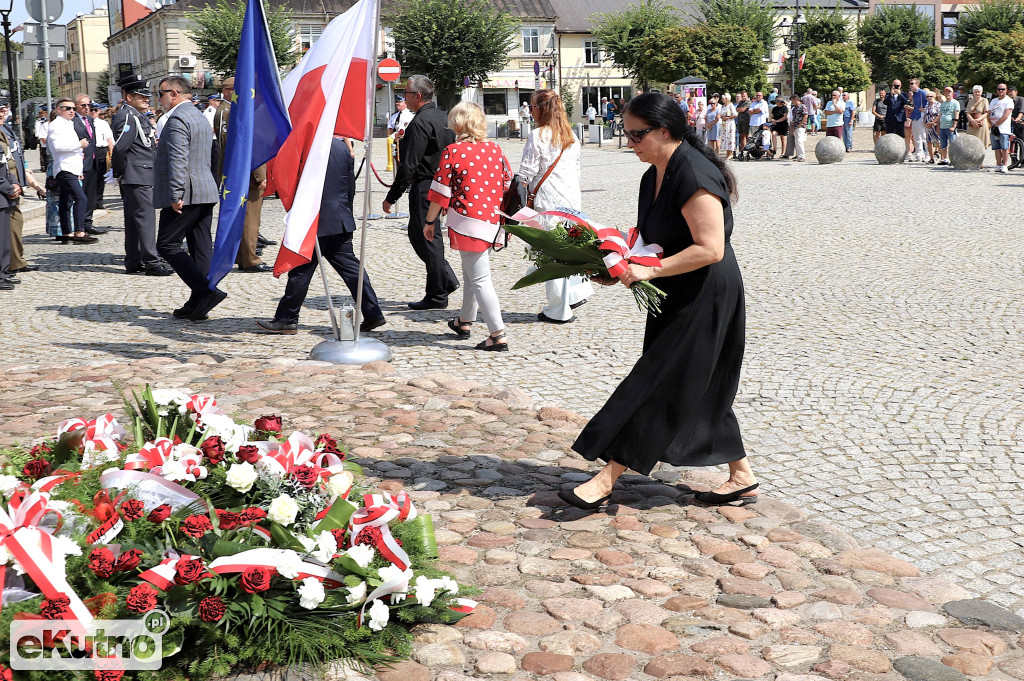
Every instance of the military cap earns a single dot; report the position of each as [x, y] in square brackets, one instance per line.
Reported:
[135, 84]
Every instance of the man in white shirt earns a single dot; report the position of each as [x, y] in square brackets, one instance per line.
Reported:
[42, 124]
[399, 120]
[1000, 109]
[591, 115]
[67, 150]
[104, 147]
[211, 108]
[759, 116]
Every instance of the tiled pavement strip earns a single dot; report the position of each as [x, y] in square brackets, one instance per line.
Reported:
[881, 387]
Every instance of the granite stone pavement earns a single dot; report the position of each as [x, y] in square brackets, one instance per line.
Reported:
[881, 388]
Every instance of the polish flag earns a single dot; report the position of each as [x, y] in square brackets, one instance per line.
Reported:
[133, 10]
[327, 94]
[782, 59]
[800, 65]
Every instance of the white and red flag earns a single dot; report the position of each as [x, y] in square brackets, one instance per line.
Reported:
[800, 65]
[782, 59]
[326, 95]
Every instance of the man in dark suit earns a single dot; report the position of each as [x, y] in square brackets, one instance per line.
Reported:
[186, 192]
[895, 113]
[334, 231]
[132, 162]
[87, 131]
[420, 150]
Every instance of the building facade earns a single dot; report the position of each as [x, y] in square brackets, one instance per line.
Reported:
[86, 56]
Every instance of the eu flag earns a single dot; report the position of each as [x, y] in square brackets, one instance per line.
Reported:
[256, 130]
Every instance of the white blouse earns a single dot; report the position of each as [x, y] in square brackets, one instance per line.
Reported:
[562, 188]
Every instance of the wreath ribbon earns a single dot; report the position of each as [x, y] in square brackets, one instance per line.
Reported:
[378, 510]
[622, 253]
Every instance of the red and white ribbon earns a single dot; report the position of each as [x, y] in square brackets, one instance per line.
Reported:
[152, 455]
[153, 490]
[300, 450]
[622, 253]
[105, 426]
[269, 558]
[162, 575]
[378, 511]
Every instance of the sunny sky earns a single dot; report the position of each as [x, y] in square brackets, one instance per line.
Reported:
[71, 9]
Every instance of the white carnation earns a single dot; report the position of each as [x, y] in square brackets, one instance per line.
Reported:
[356, 593]
[425, 590]
[339, 484]
[283, 510]
[169, 397]
[241, 476]
[174, 470]
[379, 614]
[289, 564]
[449, 585]
[391, 573]
[361, 554]
[311, 593]
[327, 546]
[9, 484]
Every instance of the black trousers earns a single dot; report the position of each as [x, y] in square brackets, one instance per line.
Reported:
[44, 157]
[896, 127]
[72, 203]
[5, 242]
[441, 280]
[337, 250]
[89, 184]
[139, 227]
[193, 225]
[101, 185]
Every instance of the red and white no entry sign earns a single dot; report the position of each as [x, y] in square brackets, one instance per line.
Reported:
[389, 70]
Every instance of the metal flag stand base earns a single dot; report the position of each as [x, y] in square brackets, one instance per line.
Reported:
[359, 352]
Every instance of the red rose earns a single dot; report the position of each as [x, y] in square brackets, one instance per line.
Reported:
[101, 561]
[329, 444]
[188, 570]
[227, 520]
[196, 526]
[128, 560]
[255, 579]
[55, 608]
[339, 537]
[36, 468]
[371, 536]
[5, 673]
[211, 609]
[159, 514]
[249, 453]
[252, 515]
[40, 450]
[269, 424]
[132, 509]
[213, 449]
[304, 475]
[141, 598]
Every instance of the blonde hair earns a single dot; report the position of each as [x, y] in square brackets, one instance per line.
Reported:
[549, 112]
[468, 122]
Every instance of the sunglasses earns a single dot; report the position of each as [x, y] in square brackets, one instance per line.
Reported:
[66, 108]
[1000, 89]
[637, 136]
[164, 92]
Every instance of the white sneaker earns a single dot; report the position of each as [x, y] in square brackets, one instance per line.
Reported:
[1000, 169]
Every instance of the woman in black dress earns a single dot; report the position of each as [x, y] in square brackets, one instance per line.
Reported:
[675, 405]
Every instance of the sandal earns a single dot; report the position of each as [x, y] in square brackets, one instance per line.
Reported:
[456, 324]
[494, 346]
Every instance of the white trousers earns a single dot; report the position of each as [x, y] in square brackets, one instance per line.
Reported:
[920, 135]
[563, 293]
[478, 291]
[799, 137]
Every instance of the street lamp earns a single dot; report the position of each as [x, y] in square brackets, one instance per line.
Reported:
[793, 42]
[552, 59]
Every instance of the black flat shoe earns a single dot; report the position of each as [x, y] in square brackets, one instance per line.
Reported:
[572, 499]
[722, 499]
[495, 346]
[456, 324]
[370, 325]
[427, 304]
[548, 320]
[206, 303]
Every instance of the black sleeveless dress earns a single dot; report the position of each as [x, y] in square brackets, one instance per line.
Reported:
[675, 405]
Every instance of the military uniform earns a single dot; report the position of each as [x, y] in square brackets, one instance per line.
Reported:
[247, 258]
[15, 156]
[132, 162]
[8, 180]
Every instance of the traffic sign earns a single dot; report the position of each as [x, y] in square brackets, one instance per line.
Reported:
[35, 52]
[389, 70]
[45, 10]
[57, 34]
[536, 68]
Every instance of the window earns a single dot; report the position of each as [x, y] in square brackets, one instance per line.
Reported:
[591, 53]
[531, 41]
[495, 103]
[308, 35]
[949, 20]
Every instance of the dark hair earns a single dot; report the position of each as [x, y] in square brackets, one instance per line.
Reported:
[178, 83]
[659, 111]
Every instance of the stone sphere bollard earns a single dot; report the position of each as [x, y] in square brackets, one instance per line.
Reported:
[890, 149]
[829, 150]
[966, 152]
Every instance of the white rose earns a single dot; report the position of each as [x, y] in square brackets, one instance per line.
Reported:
[289, 564]
[425, 589]
[241, 476]
[339, 484]
[379, 614]
[283, 510]
[356, 593]
[175, 470]
[311, 593]
[361, 554]
[9, 484]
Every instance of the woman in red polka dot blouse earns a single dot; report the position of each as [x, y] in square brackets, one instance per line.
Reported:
[469, 183]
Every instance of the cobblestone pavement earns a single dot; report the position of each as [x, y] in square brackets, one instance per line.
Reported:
[881, 386]
[659, 587]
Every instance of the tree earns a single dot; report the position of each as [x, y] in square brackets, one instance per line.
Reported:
[935, 68]
[451, 41]
[621, 35]
[889, 31]
[218, 33]
[825, 27]
[993, 58]
[1002, 16]
[829, 67]
[102, 85]
[757, 15]
[567, 91]
[729, 57]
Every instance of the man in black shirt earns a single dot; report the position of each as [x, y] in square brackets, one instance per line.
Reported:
[420, 150]
[1017, 116]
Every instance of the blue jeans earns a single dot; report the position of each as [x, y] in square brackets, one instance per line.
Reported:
[848, 136]
[946, 137]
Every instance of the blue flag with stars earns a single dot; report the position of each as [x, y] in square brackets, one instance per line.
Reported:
[257, 128]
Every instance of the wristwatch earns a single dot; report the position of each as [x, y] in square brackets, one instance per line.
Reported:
[430, 222]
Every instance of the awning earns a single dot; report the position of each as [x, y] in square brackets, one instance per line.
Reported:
[524, 83]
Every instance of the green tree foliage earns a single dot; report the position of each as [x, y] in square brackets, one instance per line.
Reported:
[829, 67]
[449, 41]
[567, 91]
[995, 57]
[891, 30]
[622, 34]
[935, 68]
[1002, 16]
[757, 15]
[100, 94]
[219, 28]
[729, 57]
[825, 27]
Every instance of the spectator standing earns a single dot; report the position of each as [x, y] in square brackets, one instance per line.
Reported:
[834, 116]
[591, 115]
[810, 103]
[421, 147]
[949, 119]
[551, 169]
[773, 95]
[780, 125]
[931, 124]
[524, 114]
[742, 119]
[104, 147]
[977, 117]
[22, 176]
[186, 193]
[916, 106]
[399, 120]
[67, 150]
[712, 121]
[878, 110]
[849, 120]
[10, 190]
[1000, 109]
[759, 118]
[210, 111]
[896, 110]
[1017, 116]
[607, 110]
[798, 124]
[817, 113]
[42, 124]
[699, 120]
[472, 200]
[87, 131]
[727, 134]
[962, 96]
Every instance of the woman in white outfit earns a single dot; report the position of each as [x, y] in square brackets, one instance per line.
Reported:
[552, 143]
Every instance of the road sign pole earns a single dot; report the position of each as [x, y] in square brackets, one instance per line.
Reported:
[46, 62]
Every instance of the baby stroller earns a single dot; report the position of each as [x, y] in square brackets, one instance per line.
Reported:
[755, 144]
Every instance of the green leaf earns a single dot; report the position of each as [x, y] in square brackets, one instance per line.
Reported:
[258, 607]
[548, 272]
[284, 538]
[337, 517]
